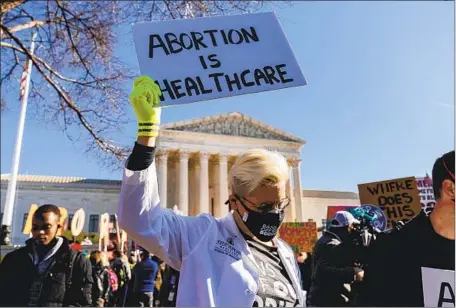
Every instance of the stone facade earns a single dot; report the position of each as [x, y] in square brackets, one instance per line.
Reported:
[316, 201]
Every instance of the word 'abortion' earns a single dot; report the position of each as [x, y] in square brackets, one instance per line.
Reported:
[172, 43]
[189, 86]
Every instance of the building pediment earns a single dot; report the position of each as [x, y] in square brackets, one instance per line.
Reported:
[233, 124]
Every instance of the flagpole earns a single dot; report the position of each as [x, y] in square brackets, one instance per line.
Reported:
[10, 194]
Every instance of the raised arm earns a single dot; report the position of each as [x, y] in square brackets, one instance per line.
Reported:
[161, 231]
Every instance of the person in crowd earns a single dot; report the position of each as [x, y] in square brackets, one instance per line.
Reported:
[394, 276]
[169, 288]
[304, 262]
[131, 299]
[333, 269]
[159, 279]
[132, 259]
[120, 266]
[100, 287]
[46, 272]
[145, 273]
[236, 260]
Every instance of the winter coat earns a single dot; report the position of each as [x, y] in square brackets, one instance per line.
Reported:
[67, 283]
[100, 287]
[333, 273]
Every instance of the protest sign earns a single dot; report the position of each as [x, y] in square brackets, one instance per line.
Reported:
[212, 57]
[426, 192]
[398, 198]
[77, 223]
[301, 236]
[104, 232]
[438, 287]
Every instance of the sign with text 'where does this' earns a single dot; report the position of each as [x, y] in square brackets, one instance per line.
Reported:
[212, 57]
[398, 198]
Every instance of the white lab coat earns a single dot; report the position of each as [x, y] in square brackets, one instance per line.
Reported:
[216, 265]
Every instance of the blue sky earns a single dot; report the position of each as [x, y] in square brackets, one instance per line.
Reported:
[379, 103]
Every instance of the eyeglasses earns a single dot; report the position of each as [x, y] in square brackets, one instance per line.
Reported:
[268, 206]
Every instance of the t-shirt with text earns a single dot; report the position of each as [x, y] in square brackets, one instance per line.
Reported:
[274, 286]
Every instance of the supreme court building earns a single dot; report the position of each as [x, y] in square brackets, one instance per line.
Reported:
[193, 159]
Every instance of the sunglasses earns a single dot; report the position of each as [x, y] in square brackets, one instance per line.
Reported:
[267, 206]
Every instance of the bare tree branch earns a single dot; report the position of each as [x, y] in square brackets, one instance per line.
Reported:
[33, 24]
[8, 5]
[78, 82]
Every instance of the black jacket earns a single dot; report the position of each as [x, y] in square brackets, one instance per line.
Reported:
[17, 273]
[333, 273]
[100, 287]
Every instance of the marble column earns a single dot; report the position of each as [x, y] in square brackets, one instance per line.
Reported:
[162, 172]
[204, 183]
[222, 208]
[290, 212]
[183, 182]
[296, 163]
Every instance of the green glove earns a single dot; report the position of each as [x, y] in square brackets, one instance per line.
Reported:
[145, 99]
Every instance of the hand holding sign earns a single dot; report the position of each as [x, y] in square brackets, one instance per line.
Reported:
[145, 98]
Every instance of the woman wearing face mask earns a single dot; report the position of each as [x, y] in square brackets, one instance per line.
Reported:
[231, 261]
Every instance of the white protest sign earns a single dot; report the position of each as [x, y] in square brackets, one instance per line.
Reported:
[438, 287]
[77, 224]
[426, 194]
[212, 57]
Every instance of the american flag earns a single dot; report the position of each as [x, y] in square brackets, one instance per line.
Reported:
[24, 80]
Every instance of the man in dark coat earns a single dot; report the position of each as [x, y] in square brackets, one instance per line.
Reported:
[333, 269]
[46, 272]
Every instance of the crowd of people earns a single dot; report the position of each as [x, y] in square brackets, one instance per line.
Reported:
[51, 271]
[237, 260]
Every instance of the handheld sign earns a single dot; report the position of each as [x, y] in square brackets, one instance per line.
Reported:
[438, 287]
[301, 236]
[426, 193]
[212, 57]
[104, 232]
[77, 223]
[398, 198]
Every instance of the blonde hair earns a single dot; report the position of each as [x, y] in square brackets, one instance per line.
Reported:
[255, 168]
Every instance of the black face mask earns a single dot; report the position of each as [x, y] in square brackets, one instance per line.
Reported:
[263, 225]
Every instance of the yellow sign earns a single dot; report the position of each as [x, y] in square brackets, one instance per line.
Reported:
[398, 198]
[301, 236]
